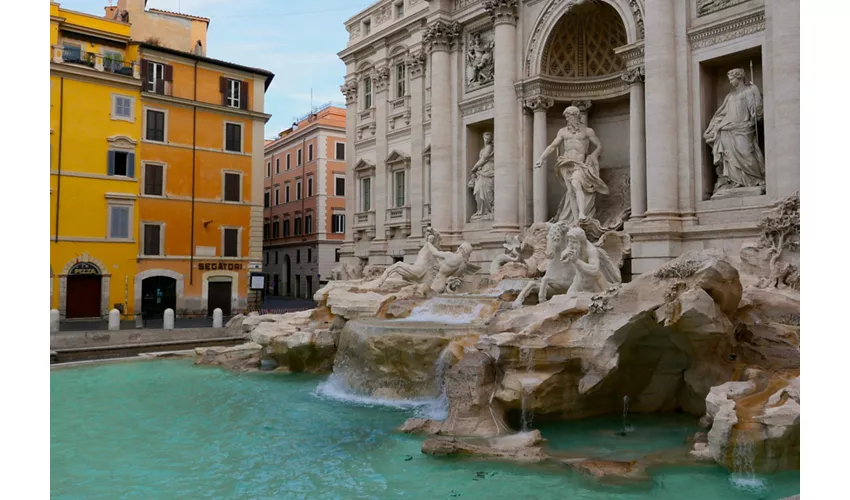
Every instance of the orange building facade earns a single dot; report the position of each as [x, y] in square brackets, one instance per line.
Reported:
[201, 169]
[304, 203]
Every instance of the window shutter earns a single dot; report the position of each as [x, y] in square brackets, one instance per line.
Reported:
[113, 229]
[222, 87]
[169, 73]
[110, 163]
[158, 188]
[243, 102]
[160, 87]
[131, 165]
[144, 72]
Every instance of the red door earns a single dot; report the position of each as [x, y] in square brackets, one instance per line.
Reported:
[83, 297]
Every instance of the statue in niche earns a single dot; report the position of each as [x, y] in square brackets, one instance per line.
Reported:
[423, 269]
[732, 135]
[482, 180]
[577, 169]
[452, 267]
[479, 61]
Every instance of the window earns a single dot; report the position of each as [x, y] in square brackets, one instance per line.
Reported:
[267, 258]
[152, 239]
[275, 257]
[276, 228]
[367, 93]
[336, 254]
[233, 93]
[119, 222]
[277, 165]
[308, 226]
[339, 185]
[338, 223]
[309, 152]
[297, 256]
[367, 27]
[276, 195]
[72, 53]
[340, 151]
[399, 10]
[399, 80]
[120, 163]
[266, 229]
[298, 164]
[155, 125]
[397, 258]
[285, 228]
[399, 188]
[268, 169]
[309, 187]
[233, 137]
[266, 197]
[154, 180]
[287, 161]
[297, 190]
[231, 242]
[366, 186]
[122, 107]
[113, 61]
[286, 193]
[232, 186]
[297, 226]
[155, 78]
[309, 255]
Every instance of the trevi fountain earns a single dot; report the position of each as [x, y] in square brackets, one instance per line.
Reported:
[552, 325]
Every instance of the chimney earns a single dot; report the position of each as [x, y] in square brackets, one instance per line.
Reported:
[111, 12]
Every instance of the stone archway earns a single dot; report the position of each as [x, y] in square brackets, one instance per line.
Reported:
[104, 283]
[630, 13]
[168, 273]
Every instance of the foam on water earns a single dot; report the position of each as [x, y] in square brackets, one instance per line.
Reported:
[448, 311]
[747, 482]
[335, 389]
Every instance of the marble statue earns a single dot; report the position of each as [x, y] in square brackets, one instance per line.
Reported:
[452, 267]
[732, 135]
[575, 264]
[482, 182]
[577, 169]
[422, 270]
[348, 271]
[479, 61]
[527, 257]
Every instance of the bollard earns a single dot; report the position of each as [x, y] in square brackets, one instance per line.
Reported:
[217, 318]
[54, 320]
[168, 319]
[114, 320]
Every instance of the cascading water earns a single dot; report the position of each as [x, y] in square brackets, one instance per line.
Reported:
[525, 357]
[439, 408]
[743, 471]
[626, 427]
[447, 310]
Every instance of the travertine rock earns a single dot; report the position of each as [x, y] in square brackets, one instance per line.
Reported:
[522, 447]
[237, 358]
[470, 386]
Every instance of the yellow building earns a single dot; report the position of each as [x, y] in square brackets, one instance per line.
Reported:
[95, 131]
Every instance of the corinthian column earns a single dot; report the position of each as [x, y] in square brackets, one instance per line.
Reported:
[415, 64]
[539, 105]
[637, 140]
[349, 89]
[438, 38]
[662, 153]
[506, 114]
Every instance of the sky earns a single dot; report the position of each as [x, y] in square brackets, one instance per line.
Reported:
[297, 40]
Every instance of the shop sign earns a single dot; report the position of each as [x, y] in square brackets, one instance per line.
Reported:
[84, 269]
[220, 266]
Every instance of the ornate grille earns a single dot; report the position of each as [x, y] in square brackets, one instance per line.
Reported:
[583, 42]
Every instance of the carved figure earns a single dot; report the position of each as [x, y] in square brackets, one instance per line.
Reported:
[422, 270]
[732, 136]
[348, 270]
[452, 267]
[479, 60]
[559, 275]
[594, 270]
[530, 254]
[780, 231]
[482, 185]
[577, 169]
[512, 254]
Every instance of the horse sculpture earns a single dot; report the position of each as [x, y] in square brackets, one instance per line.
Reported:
[559, 275]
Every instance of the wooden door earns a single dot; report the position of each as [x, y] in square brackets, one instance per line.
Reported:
[83, 297]
[219, 297]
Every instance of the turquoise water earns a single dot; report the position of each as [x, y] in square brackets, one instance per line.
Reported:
[167, 429]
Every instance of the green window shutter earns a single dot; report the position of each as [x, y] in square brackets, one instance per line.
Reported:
[110, 163]
[131, 165]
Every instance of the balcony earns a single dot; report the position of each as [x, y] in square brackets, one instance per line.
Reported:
[398, 219]
[364, 222]
[95, 61]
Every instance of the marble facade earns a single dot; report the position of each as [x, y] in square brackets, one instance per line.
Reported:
[425, 82]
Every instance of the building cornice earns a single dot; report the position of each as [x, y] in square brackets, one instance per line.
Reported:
[727, 29]
[254, 115]
[87, 74]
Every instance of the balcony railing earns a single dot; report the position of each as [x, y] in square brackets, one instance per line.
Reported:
[95, 61]
[364, 220]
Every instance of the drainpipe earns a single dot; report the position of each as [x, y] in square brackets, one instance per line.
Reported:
[59, 158]
[194, 136]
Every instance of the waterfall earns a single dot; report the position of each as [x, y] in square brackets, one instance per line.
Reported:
[526, 358]
[447, 310]
[743, 471]
[439, 408]
[626, 427]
